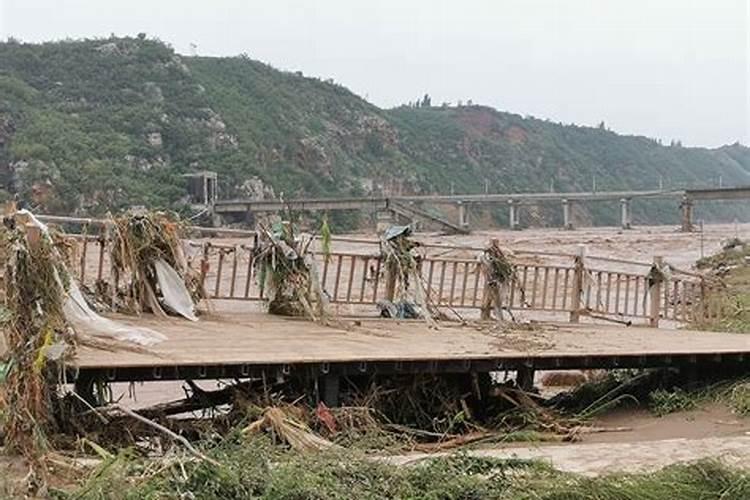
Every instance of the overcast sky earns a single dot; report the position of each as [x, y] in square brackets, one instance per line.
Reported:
[672, 69]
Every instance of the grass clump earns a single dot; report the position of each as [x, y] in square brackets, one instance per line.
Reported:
[664, 402]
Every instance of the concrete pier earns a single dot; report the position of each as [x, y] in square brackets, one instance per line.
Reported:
[625, 218]
[567, 214]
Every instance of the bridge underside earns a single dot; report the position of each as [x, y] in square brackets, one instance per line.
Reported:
[255, 345]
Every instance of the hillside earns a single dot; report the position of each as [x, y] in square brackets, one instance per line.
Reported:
[87, 126]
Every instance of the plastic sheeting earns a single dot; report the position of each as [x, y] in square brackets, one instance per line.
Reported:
[79, 314]
[174, 293]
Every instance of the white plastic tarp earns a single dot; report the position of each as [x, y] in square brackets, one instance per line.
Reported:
[78, 312]
[173, 290]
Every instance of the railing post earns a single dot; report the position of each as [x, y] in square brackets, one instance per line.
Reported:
[577, 291]
[655, 292]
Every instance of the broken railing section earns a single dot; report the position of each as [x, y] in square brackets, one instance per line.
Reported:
[578, 285]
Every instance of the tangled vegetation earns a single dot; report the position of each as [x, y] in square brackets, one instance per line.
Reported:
[37, 335]
[139, 240]
[257, 469]
[732, 265]
[287, 272]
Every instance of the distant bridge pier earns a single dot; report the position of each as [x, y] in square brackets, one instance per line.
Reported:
[513, 214]
[463, 215]
[625, 218]
[687, 214]
[567, 214]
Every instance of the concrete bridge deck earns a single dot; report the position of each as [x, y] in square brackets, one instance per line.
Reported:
[246, 345]
[514, 201]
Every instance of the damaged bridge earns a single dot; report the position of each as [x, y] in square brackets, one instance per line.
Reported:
[416, 208]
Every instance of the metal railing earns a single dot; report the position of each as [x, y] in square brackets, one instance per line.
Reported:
[599, 287]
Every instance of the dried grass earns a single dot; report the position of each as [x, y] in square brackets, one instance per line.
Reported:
[138, 240]
[37, 336]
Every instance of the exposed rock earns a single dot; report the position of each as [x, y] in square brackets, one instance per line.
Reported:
[255, 189]
[109, 49]
[311, 154]
[144, 164]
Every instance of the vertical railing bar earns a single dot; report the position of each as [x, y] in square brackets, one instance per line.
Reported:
[233, 281]
[566, 282]
[352, 268]
[617, 293]
[627, 294]
[608, 293]
[83, 259]
[429, 277]
[324, 275]
[555, 281]
[545, 281]
[102, 247]
[249, 272]
[635, 295]
[219, 268]
[442, 281]
[453, 283]
[464, 282]
[337, 277]
[534, 283]
[365, 268]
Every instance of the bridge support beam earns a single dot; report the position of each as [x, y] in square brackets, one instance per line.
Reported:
[625, 219]
[513, 215]
[567, 214]
[525, 378]
[687, 214]
[463, 215]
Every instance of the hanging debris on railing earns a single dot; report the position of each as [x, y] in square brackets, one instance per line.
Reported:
[37, 335]
[287, 273]
[147, 245]
[500, 276]
[404, 291]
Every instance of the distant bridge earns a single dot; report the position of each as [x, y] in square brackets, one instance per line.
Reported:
[405, 205]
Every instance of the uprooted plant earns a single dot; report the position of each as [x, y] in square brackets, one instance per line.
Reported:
[147, 245]
[500, 275]
[405, 288]
[287, 273]
[37, 335]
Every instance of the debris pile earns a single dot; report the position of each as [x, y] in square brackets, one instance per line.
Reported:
[287, 273]
[146, 247]
[500, 275]
[37, 333]
[405, 291]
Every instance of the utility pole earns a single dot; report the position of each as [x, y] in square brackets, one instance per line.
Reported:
[452, 186]
[486, 186]
[661, 183]
[593, 184]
